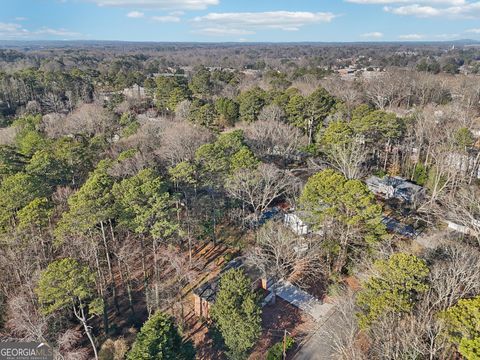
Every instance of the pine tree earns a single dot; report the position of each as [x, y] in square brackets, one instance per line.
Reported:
[159, 339]
[236, 313]
[394, 289]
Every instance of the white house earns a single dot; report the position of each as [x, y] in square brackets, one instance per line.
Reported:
[464, 229]
[296, 224]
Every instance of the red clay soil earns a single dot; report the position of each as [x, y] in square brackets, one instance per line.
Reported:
[275, 320]
[352, 283]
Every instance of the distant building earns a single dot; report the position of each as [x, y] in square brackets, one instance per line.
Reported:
[169, 74]
[135, 92]
[293, 221]
[398, 188]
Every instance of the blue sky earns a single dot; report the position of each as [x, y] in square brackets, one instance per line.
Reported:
[240, 20]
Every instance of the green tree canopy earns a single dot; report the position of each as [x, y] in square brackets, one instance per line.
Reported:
[201, 83]
[28, 139]
[251, 103]
[463, 327]
[159, 339]
[378, 126]
[296, 110]
[395, 288]
[36, 214]
[11, 160]
[203, 114]
[170, 92]
[336, 133]
[308, 113]
[227, 154]
[346, 207]
[89, 206]
[464, 138]
[17, 191]
[66, 161]
[67, 284]
[184, 173]
[236, 313]
[64, 284]
[143, 204]
[228, 110]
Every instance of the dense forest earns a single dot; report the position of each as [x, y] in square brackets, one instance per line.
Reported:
[132, 174]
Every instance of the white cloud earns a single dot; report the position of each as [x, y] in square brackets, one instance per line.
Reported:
[9, 27]
[57, 32]
[415, 10]
[165, 19]
[469, 9]
[224, 31]
[249, 22]
[176, 13]
[11, 31]
[135, 14]
[473, 31]
[374, 35]
[159, 4]
[385, 2]
[447, 36]
[411, 37]
[21, 18]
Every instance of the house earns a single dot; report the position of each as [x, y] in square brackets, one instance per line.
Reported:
[135, 92]
[297, 225]
[397, 227]
[394, 187]
[205, 295]
[300, 299]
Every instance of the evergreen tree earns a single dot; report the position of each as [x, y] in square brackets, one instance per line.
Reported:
[67, 284]
[251, 103]
[159, 339]
[348, 209]
[236, 313]
[394, 289]
[463, 327]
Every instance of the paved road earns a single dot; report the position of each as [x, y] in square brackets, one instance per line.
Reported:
[318, 345]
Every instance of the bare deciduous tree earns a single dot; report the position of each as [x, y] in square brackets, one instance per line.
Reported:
[183, 109]
[454, 275]
[343, 333]
[271, 112]
[346, 90]
[348, 158]
[270, 139]
[282, 255]
[180, 140]
[258, 188]
[91, 119]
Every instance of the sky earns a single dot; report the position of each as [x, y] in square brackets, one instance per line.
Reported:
[240, 20]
